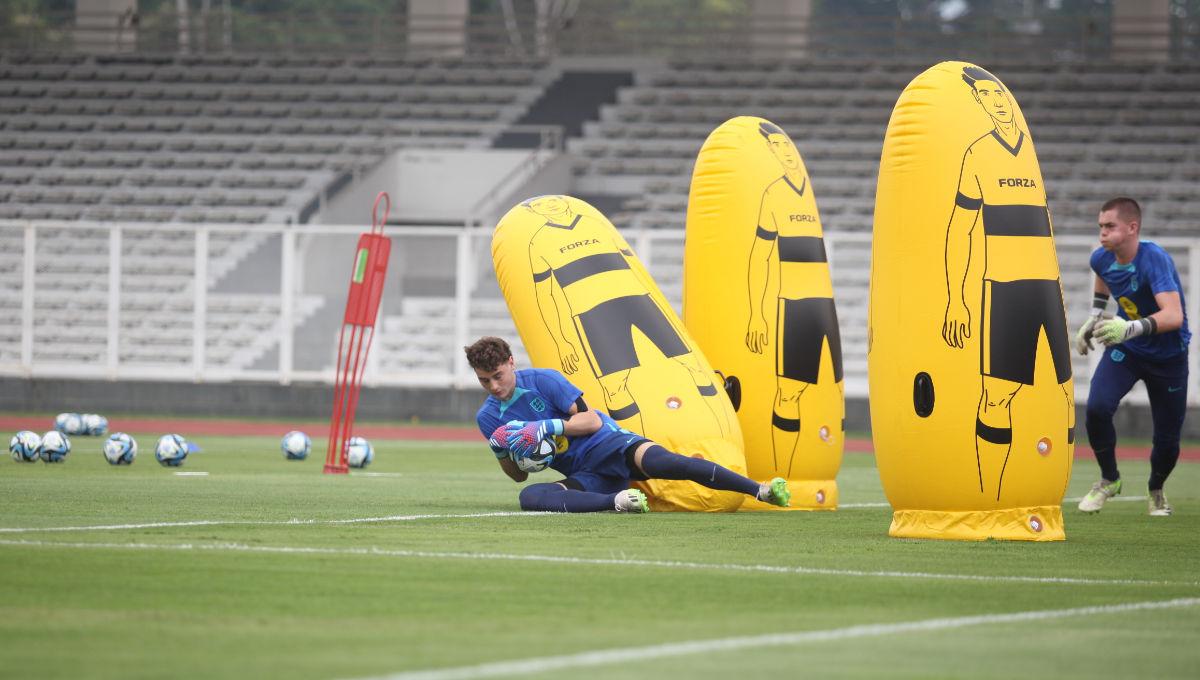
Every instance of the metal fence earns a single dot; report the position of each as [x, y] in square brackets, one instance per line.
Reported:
[607, 27]
[218, 303]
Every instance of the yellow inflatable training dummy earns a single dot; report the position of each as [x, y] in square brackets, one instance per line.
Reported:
[584, 304]
[759, 301]
[971, 394]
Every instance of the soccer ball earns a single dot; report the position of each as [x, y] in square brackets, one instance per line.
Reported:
[295, 445]
[25, 446]
[68, 423]
[120, 449]
[55, 446]
[540, 459]
[359, 452]
[95, 425]
[171, 450]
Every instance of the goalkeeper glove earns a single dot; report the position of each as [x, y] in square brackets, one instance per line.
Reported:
[498, 444]
[1083, 338]
[523, 438]
[1115, 331]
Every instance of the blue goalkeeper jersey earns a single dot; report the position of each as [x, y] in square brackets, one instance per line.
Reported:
[1134, 285]
[543, 393]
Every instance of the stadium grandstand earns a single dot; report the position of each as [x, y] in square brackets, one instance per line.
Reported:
[182, 183]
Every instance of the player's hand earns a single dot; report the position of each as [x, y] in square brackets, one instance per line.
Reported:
[1115, 331]
[756, 334]
[1083, 337]
[523, 438]
[957, 326]
[498, 443]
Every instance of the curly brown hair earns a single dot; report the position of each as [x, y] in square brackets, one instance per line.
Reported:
[487, 353]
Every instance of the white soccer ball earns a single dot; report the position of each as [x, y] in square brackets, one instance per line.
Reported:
[94, 425]
[55, 446]
[171, 450]
[120, 449]
[25, 446]
[540, 459]
[295, 445]
[359, 452]
[68, 423]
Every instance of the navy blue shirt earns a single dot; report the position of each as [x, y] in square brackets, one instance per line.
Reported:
[543, 393]
[1134, 286]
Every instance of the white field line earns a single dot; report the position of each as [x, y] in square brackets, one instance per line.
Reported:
[231, 522]
[1118, 499]
[605, 657]
[593, 561]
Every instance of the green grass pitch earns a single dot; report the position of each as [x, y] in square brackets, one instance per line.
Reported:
[252, 571]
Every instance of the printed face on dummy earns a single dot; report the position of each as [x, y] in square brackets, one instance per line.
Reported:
[992, 97]
[500, 381]
[549, 206]
[785, 151]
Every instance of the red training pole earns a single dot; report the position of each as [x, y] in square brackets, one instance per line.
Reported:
[358, 330]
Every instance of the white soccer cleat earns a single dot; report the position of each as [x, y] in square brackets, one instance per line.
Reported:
[1159, 507]
[630, 500]
[1100, 493]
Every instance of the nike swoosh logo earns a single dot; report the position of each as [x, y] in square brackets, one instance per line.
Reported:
[1174, 389]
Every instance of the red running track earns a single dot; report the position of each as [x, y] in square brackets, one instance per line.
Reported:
[198, 427]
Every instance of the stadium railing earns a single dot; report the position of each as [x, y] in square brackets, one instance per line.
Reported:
[609, 27]
[441, 295]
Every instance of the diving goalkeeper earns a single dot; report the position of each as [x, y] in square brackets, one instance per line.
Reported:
[600, 458]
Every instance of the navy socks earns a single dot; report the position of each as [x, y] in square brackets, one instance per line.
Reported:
[659, 463]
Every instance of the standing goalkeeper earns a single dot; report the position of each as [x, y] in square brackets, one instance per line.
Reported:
[1147, 341]
[597, 457]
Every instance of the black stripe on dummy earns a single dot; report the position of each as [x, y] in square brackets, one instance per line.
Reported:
[785, 424]
[995, 435]
[589, 266]
[801, 249]
[966, 202]
[1016, 220]
[626, 412]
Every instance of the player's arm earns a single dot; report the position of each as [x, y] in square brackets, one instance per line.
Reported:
[522, 437]
[510, 468]
[581, 423]
[1083, 337]
[1169, 317]
[959, 234]
[503, 457]
[759, 273]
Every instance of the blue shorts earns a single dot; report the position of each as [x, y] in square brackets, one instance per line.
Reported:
[608, 471]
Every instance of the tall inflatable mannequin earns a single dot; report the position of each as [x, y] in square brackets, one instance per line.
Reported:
[972, 406]
[759, 301]
[585, 305]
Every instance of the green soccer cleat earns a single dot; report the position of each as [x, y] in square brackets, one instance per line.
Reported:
[775, 492]
[1101, 492]
[1159, 507]
[631, 500]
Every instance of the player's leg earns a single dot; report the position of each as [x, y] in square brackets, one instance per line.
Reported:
[1166, 385]
[655, 462]
[571, 495]
[1114, 376]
